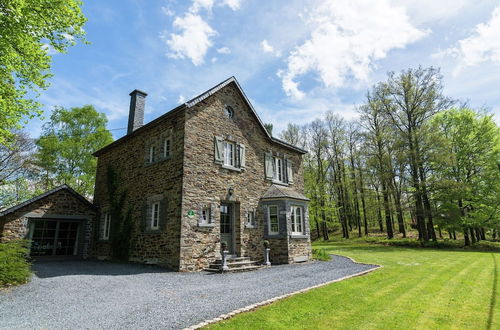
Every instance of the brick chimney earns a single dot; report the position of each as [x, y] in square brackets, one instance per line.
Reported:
[136, 112]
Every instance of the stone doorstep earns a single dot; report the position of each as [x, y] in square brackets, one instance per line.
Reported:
[235, 264]
[234, 270]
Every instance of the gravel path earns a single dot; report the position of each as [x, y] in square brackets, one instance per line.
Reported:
[100, 295]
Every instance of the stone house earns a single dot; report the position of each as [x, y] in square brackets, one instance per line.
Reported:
[57, 222]
[203, 173]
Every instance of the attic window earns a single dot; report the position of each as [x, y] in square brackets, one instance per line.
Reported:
[228, 111]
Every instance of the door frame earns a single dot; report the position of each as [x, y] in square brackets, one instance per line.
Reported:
[80, 242]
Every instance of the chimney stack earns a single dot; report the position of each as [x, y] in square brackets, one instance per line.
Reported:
[136, 112]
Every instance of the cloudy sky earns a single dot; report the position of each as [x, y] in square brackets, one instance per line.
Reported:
[295, 59]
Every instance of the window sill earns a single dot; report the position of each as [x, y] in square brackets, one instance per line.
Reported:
[103, 240]
[250, 226]
[280, 183]
[232, 168]
[152, 232]
[206, 225]
[147, 164]
[274, 236]
[299, 236]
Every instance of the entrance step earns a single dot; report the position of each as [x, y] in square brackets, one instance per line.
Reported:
[235, 264]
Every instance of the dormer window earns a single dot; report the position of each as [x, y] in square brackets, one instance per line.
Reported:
[228, 111]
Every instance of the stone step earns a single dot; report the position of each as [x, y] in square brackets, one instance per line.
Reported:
[234, 270]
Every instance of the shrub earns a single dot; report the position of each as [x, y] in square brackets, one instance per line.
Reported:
[321, 254]
[14, 266]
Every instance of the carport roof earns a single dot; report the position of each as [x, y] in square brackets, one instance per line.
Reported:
[45, 194]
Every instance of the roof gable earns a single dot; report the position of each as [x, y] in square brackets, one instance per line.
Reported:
[194, 101]
[45, 194]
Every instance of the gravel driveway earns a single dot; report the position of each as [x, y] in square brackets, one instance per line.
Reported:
[100, 295]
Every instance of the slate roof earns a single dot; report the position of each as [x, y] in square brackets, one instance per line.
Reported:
[192, 103]
[275, 192]
[45, 194]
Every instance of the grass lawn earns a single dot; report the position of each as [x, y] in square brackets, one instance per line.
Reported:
[415, 289]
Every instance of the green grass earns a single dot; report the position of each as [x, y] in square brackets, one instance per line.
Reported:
[14, 268]
[321, 254]
[415, 289]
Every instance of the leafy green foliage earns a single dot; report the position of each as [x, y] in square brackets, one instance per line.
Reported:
[321, 254]
[14, 267]
[29, 31]
[467, 174]
[66, 146]
[121, 222]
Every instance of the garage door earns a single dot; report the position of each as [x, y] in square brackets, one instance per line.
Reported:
[54, 237]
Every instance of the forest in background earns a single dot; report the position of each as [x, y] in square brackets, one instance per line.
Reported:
[415, 161]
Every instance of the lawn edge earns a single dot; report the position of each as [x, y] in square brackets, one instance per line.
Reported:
[287, 295]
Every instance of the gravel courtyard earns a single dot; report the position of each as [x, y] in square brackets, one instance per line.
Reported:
[100, 295]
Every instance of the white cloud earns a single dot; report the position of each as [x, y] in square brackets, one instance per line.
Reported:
[482, 46]
[181, 99]
[201, 4]
[348, 36]
[233, 4]
[425, 11]
[266, 47]
[167, 11]
[224, 50]
[194, 40]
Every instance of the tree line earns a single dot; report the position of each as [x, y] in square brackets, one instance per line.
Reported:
[414, 161]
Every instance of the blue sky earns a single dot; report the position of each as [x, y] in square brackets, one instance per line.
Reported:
[295, 59]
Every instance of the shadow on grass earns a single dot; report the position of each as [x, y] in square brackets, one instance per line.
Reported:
[493, 293]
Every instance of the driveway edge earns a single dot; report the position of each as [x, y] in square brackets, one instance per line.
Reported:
[270, 301]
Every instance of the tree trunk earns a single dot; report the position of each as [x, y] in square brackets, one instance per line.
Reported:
[483, 235]
[466, 237]
[387, 211]
[379, 213]
[472, 236]
[363, 203]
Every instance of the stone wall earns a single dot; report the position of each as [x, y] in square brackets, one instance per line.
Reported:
[206, 182]
[58, 205]
[143, 180]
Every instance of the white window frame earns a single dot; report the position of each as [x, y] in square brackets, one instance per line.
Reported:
[206, 216]
[270, 231]
[251, 219]
[152, 151]
[107, 226]
[167, 147]
[155, 216]
[295, 211]
[278, 169]
[229, 153]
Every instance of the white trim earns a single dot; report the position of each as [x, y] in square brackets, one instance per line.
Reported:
[270, 232]
[167, 142]
[107, 226]
[151, 157]
[293, 220]
[155, 216]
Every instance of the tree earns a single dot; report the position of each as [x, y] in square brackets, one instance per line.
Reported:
[269, 128]
[16, 169]
[469, 180]
[29, 30]
[66, 146]
[16, 157]
[292, 135]
[409, 100]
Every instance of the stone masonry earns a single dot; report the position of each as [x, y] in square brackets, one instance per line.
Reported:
[189, 181]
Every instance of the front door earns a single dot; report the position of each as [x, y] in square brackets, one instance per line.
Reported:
[227, 226]
[54, 237]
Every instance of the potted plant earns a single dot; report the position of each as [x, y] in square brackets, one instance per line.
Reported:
[266, 244]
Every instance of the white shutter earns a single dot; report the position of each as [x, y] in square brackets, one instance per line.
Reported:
[289, 170]
[218, 149]
[241, 150]
[269, 166]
